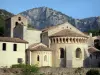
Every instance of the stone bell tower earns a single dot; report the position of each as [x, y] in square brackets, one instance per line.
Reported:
[16, 26]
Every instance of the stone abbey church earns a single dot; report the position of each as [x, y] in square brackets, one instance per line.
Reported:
[57, 46]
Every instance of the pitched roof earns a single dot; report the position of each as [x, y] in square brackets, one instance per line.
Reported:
[9, 39]
[38, 47]
[93, 50]
[51, 27]
[67, 32]
[14, 16]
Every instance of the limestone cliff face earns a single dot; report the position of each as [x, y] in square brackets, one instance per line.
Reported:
[44, 17]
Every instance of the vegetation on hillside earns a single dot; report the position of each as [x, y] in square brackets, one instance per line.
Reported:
[3, 16]
[94, 32]
[27, 69]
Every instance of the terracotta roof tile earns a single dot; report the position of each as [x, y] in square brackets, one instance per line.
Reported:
[39, 47]
[9, 39]
[67, 32]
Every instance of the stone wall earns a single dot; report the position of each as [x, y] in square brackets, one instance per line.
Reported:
[65, 71]
[49, 71]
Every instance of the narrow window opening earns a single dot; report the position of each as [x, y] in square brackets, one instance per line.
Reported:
[78, 53]
[16, 23]
[19, 18]
[38, 58]
[14, 47]
[4, 47]
[61, 53]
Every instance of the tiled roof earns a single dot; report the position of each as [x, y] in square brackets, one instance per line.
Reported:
[39, 47]
[67, 32]
[9, 39]
[33, 45]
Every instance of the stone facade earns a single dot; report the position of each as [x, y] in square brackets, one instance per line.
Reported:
[69, 45]
[64, 45]
[48, 71]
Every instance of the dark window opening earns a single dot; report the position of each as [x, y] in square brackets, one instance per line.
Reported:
[15, 47]
[97, 43]
[64, 40]
[57, 40]
[4, 47]
[78, 53]
[20, 60]
[19, 18]
[54, 40]
[61, 53]
[16, 23]
[90, 56]
[38, 58]
[60, 40]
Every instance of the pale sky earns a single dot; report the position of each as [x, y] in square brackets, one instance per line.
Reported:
[73, 8]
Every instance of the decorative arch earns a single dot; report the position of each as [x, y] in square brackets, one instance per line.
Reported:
[53, 40]
[67, 39]
[78, 53]
[70, 39]
[64, 40]
[60, 40]
[57, 40]
[74, 40]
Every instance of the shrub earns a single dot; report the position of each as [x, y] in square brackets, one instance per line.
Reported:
[18, 66]
[93, 72]
[27, 69]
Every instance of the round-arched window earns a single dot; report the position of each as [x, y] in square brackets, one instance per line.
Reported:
[78, 53]
[19, 18]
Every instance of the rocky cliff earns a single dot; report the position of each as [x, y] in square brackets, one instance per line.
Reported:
[44, 17]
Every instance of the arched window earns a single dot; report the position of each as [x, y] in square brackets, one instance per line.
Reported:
[38, 58]
[45, 58]
[57, 40]
[16, 23]
[67, 39]
[97, 43]
[54, 40]
[19, 18]
[78, 53]
[70, 39]
[60, 40]
[64, 40]
[74, 40]
[61, 53]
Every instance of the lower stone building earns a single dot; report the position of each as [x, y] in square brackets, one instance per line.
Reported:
[39, 54]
